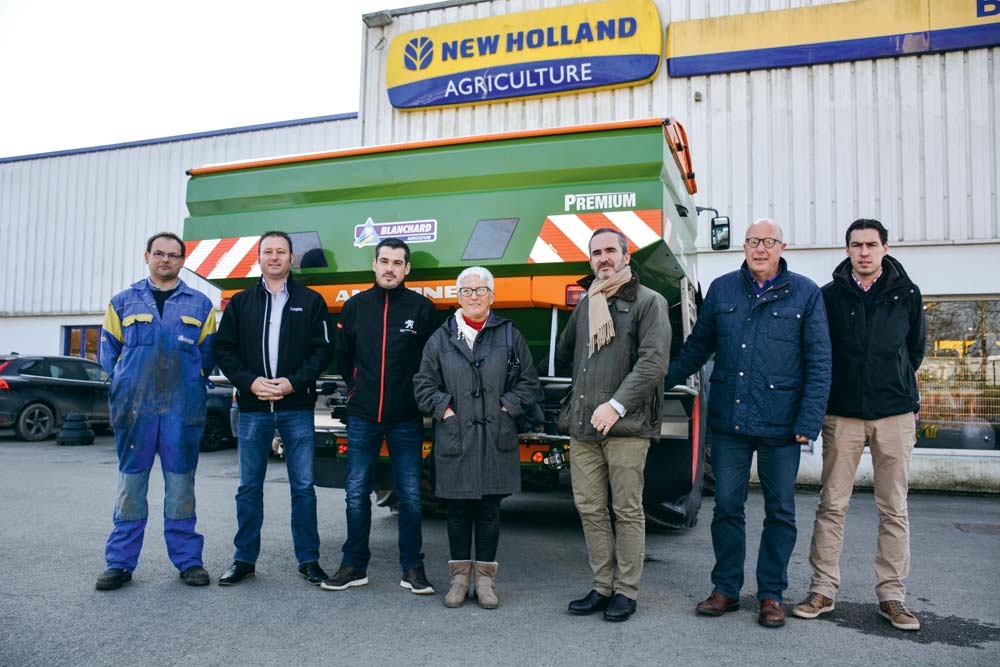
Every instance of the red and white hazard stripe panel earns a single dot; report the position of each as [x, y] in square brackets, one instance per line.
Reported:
[566, 238]
[223, 258]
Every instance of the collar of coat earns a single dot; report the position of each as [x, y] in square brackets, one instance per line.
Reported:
[493, 320]
[892, 272]
[143, 286]
[780, 280]
[626, 291]
[290, 286]
[393, 293]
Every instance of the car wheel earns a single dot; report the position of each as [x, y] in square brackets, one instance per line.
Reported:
[214, 437]
[36, 422]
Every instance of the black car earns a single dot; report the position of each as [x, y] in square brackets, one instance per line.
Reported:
[37, 392]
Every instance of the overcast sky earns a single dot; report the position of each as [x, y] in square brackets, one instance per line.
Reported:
[83, 73]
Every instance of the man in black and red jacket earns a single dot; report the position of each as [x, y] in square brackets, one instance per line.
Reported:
[381, 335]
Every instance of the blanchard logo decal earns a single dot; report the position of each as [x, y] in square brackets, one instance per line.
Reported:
[409, 231]
[598, 201]
[418, 53]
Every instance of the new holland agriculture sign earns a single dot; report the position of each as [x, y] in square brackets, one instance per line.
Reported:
[543, 52]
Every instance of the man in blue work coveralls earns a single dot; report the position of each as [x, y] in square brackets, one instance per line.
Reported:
[156, 343]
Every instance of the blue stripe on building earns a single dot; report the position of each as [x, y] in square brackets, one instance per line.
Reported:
[543, 77]
[904, 44]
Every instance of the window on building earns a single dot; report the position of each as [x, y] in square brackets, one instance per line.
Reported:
[960, 378]
[81, 341]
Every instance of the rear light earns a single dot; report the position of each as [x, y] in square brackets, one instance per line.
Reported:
[3, 383]
[4, 365]
[537, 457]
[341, 450]
[234, 396]
[573, 294]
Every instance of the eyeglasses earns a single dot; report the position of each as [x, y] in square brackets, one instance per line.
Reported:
[172, 256]
[478, 291]
[753, 242]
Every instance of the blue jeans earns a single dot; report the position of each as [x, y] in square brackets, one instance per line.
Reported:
[255, 435]
[777, 467]
[364, 439]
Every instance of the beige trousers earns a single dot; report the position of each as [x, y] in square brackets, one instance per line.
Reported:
[615, 559]
[891, 441]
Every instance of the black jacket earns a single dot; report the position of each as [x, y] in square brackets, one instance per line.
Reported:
[304, 345]
[875, 361]
[380, 337]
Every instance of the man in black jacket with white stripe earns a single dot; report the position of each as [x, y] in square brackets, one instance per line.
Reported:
[380, 340]
[272, 344]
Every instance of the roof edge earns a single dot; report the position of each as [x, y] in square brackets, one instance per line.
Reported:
[183, 137]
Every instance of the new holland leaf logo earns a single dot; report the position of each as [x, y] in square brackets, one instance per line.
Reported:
[418, 53]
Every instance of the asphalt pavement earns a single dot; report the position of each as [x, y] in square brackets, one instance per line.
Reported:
[55, 513]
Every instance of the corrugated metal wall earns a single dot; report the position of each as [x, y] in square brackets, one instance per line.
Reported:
[74, 226]
[913, 141]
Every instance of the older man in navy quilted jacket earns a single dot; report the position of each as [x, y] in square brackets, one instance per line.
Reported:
[767, 327]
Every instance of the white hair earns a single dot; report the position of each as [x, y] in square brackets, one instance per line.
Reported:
[478, 271]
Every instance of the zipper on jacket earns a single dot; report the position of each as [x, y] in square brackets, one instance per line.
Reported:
[381, 380]
[263, 340]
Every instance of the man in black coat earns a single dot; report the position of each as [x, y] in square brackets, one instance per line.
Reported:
[272, 344]
[380, 337]
[878, 333]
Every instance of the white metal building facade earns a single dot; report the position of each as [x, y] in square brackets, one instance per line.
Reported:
[76, 223]
[913, 141]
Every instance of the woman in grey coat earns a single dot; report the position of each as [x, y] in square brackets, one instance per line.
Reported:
[461, 383]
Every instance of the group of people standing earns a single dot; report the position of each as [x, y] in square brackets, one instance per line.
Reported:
[791, 359]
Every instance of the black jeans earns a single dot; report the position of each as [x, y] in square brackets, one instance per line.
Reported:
[483, 516]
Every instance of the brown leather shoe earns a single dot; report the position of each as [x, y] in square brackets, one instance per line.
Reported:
[717, 604]
[771, 614]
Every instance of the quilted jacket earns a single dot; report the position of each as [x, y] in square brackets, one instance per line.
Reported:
[772, 355]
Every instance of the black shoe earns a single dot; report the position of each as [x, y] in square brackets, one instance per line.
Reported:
[620, 608]
[346, 577]
[195, 575]
[586, 606]
[113, 578]
[415, 579]
[313, 573]
[236, 573]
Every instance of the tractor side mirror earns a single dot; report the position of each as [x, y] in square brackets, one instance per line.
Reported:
[720, 233]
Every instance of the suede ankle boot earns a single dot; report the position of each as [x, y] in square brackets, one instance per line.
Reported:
[460, 571]
[485, 573]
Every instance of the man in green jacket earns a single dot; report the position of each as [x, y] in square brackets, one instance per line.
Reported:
[618, 342]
